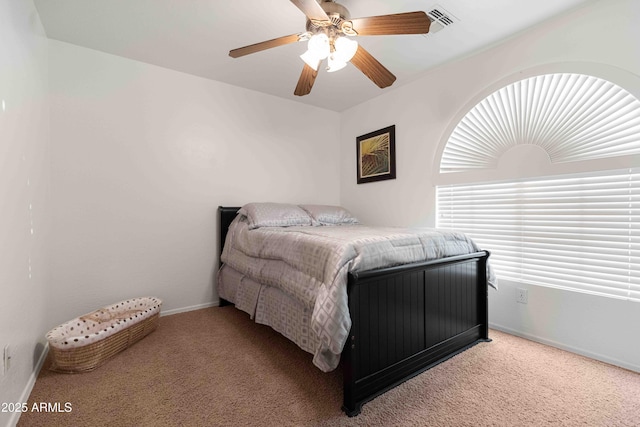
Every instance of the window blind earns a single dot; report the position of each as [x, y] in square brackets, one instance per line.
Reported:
[573, 117]
[578, 232]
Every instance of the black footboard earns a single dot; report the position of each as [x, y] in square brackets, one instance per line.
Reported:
[409, 318]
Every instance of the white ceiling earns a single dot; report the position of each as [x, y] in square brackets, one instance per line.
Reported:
[195, 37]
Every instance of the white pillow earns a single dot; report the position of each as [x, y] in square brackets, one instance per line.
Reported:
[329, 215]
[274, 215]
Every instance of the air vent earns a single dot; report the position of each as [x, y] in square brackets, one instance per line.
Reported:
[440, 19]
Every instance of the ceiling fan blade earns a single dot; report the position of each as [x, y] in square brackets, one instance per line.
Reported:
[306, 81]
[400, 23]
[373, 69]
[257, 47]
[312, 9]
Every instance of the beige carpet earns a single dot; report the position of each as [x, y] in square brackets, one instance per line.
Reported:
[216, 367]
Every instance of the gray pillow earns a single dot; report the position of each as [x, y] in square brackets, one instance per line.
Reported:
[329, 215]
[274, 215]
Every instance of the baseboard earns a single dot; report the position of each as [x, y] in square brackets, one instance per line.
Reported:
[581, 352]
[24, 397]
[190, 308]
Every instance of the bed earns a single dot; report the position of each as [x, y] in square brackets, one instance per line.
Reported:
[399, 318]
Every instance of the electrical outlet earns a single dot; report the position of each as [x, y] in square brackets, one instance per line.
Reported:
[522, 295]
[6, 359]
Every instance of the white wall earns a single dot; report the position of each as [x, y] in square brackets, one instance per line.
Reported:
[143, 156]
[604, 35]
[24, 173]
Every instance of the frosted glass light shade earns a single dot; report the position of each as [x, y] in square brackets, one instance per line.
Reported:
[345, 49]
[319, 45]
[335, 64]
[311, 59]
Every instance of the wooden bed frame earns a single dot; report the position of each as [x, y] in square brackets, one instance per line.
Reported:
[405, 319]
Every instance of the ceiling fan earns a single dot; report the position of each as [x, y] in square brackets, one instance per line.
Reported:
[330, 32]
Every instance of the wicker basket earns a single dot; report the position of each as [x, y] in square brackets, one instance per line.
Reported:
[88, 341]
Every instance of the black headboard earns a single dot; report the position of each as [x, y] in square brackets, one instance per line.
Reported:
[226, 214]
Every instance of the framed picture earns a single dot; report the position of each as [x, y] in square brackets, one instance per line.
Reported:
[376, 155]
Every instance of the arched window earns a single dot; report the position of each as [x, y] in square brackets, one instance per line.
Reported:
[544, 222]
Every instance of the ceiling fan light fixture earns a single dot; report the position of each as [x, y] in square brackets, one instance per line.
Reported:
[338, 49]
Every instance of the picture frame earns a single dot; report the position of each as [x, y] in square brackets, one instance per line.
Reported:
[376, 155]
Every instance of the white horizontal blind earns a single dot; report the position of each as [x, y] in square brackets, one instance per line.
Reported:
[579, 232]
[573, 117]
